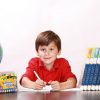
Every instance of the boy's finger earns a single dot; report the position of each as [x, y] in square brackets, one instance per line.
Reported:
[41, 82]
[44, 82]
[49, 82]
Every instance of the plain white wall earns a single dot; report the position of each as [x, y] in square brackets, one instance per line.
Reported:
[77, 22]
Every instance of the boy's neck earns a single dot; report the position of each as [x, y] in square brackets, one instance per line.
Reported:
[49, 66]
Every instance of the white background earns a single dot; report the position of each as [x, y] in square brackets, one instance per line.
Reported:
[77, 22]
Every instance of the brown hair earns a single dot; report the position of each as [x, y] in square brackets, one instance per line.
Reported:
[46, 37]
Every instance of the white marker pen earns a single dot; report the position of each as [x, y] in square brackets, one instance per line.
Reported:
[37, 75]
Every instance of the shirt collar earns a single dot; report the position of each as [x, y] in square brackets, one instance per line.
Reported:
[40, 63]
[55, 65]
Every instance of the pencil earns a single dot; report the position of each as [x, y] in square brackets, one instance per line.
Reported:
[36, 74]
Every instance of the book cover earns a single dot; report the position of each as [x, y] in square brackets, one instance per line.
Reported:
[8, 82]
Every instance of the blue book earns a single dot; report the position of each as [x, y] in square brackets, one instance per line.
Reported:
[86, 75]
[96, 73]
[91, 74]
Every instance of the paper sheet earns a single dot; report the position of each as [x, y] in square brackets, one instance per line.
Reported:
[48, 89]
[72, 89]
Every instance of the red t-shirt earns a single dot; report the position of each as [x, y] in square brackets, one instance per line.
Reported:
[60, 71]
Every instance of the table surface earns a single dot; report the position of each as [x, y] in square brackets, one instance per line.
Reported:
[62, 95]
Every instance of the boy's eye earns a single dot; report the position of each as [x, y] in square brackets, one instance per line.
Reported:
[51, 49]
[42, 49]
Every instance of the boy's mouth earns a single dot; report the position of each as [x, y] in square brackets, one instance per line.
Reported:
[47, 58]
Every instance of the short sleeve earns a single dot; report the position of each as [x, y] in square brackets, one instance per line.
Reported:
[66, 71]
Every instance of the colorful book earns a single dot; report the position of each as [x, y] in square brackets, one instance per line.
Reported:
[8, 82]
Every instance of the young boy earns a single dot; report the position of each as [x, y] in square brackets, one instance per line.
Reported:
[47, 69]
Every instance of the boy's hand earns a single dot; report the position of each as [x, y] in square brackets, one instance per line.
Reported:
[39, 84]
[55, 85]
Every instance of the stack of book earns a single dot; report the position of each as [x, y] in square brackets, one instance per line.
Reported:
[8, 82]
[91, 74]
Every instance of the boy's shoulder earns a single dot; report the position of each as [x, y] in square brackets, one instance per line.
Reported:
[62, 60]
[62, 63]
[35, 58]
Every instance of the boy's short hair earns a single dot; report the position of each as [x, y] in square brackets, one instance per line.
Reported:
[46, 37]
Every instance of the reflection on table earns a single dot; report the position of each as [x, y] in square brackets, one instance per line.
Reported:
[63, 95]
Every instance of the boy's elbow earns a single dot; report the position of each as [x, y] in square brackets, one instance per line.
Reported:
[73, 82]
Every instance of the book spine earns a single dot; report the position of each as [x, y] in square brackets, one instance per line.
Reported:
[95, 77]
[91, 76]
[98, 78]
[86, 77]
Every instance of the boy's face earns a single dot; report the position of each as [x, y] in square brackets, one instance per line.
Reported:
[48, 54]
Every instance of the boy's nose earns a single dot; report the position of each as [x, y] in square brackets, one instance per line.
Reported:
[47, 52]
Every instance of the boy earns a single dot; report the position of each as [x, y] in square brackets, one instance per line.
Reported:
[47, 69]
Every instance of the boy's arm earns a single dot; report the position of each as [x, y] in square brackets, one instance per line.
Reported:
[27, 83]
[70, 83]
[38, 84]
